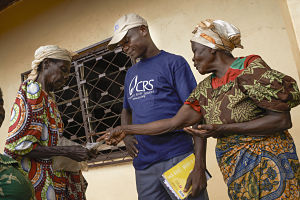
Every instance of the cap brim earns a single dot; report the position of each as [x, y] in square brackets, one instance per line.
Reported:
[116, 39]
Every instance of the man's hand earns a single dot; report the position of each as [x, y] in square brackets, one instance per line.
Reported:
[196, 179]
[130, 143]
[206, 130]
[113, 136]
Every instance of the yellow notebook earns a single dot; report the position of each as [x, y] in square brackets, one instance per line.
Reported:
[174, 179]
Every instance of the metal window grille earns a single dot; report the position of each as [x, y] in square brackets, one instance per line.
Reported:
[91, 101]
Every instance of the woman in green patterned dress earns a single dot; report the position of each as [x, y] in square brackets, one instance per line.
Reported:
[13, 184]
[245, 105]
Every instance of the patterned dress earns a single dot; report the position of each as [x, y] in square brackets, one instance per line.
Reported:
[253, 167]
[35, 120]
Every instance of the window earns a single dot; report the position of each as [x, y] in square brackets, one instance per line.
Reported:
[92, 99]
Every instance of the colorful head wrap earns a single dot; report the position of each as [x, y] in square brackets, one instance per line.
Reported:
[217, 34]
[49, 51]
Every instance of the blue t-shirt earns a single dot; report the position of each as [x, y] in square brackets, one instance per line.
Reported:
[156, 88]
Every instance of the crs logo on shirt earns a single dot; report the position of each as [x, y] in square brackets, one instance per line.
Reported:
[140, 86]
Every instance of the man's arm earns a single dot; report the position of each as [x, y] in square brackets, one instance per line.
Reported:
[197, 178]
[126, 117]
[130, 140]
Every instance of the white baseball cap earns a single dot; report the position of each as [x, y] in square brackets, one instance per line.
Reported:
[123, 25]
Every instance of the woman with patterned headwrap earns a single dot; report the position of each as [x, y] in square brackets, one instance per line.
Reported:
[36, 125]
[245, 105]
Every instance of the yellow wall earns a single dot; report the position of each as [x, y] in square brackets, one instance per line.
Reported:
[76, 24]
[294, 10]
[290, 12]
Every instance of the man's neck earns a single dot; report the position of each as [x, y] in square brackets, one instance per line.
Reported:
[151, 51]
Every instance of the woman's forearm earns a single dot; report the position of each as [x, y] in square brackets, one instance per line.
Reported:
[186, 116]
[153, 128]
[269, 124]
[76, 152]
[47, 152]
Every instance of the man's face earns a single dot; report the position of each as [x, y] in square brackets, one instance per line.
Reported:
[2, 111]
[134, 43]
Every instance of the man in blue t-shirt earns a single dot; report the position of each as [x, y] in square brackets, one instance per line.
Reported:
[155, 88]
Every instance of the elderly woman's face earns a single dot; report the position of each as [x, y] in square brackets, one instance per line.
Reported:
[57, 73]
[2, 112]
[203, 58]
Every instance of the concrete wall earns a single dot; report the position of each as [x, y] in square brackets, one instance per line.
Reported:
[76, 24]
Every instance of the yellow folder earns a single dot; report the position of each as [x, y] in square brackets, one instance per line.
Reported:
[175, 178]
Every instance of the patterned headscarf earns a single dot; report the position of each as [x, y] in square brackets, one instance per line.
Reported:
[49, 51]
[217, 34]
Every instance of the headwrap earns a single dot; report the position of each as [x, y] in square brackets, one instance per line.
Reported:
[217, 34]
[49, 51]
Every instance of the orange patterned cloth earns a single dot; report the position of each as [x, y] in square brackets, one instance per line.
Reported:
[217, 34]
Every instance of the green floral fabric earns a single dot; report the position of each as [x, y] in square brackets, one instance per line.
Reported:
[13, 184]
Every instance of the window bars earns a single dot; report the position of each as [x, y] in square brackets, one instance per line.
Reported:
[91, 100]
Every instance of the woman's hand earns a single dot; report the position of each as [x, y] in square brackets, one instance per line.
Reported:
[79, 153]
[113, 135]
[206, 130]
